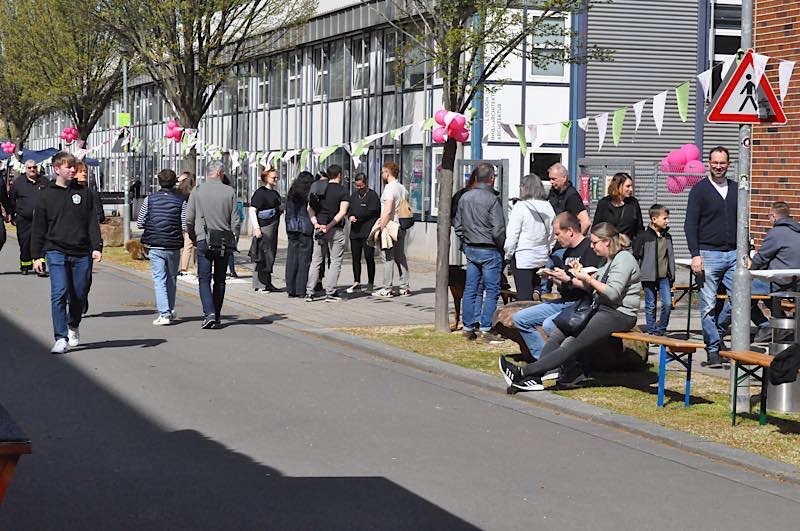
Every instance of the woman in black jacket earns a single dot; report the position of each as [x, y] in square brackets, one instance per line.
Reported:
[620, 208]
[300, 232]
[365, 209]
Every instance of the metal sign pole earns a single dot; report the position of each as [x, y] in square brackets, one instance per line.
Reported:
[740, 325]
[126, 211]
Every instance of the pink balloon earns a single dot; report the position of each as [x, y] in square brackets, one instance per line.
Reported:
[675, 184]
[676, 158]
[438, 135]
[691, 151]
[439, 116]
[664, 166]
[462, 135]
[177, 134]
[169, 133]
[694, 166]
[172, 124]
[458, 122]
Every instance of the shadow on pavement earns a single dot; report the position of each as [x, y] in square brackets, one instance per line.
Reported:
[124, 313]
[98, 463]
[119, 343]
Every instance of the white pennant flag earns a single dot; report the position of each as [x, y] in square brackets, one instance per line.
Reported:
[290, 154]
[601, 120]
[235, 163]
[704, 78]
[659, 102]
[759, 65]
[533, 137]
[638, 108]
[583, 123]
[784, 75]
[726, 65]
[376, 136]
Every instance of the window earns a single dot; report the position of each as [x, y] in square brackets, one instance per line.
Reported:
[547, 49]
[263, 83]
[728, 17]
[389, 59]
[541, 162]
[275, 96]
[360, 51]
[415, 69]
[413, 178]
[293, 78]
[321, 74]
[243, 101]
[337, 70]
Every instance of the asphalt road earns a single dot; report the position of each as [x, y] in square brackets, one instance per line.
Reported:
[259, 426]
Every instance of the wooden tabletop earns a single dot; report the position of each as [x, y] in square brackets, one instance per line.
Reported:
[748, 358]
[674, 344]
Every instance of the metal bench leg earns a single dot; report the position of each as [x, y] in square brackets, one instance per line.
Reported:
[662, 374]
[735, 387]
[762, 414]
[688, 379]
[689, 308]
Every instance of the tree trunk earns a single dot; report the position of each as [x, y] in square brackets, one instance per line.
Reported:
[443, 225]
[189, 162]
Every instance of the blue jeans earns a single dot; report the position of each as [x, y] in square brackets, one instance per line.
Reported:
[69, 286]
[652, 291]
[164, 268]
[528, 319]
[483, 268]
[211, 300]
[718, 267]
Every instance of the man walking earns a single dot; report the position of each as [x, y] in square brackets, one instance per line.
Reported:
[327, 215]
[394, 256]
[480, 224]
[163, 217]
[578, 252]
[24, 196]
[66, 234]
[365, 207]
[710, 229]
[211, 221]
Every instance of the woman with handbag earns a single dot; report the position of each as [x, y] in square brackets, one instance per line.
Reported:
[614, 305]
[529, 236]
[265, 216]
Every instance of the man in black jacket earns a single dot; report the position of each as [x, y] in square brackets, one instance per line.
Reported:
[24, 196]
[365, 208]
[710, 229]
[66, 234]
[481, 225]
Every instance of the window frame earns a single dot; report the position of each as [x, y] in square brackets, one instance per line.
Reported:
[530, 41]
[321, 72]
[360, 67]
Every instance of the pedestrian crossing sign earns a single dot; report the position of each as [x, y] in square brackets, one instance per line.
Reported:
[743, 100]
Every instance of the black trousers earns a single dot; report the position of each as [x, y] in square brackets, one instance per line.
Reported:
[24, 227]
[525, 280]
[357, 245]
[2, 233]
[298, 260]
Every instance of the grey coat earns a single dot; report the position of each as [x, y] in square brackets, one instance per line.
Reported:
[479, 218]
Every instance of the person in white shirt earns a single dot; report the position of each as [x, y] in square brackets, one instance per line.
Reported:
[393, 193]
[529, 236]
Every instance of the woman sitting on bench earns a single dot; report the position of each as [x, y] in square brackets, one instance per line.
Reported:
[617, 300]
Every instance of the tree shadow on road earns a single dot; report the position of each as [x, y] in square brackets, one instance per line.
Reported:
[99, 463]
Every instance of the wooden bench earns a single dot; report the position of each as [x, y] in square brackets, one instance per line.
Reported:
[13, 444]
[750, 363]
[677, 350]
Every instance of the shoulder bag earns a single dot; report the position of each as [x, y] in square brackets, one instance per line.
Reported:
[218, 242]
[573, 319]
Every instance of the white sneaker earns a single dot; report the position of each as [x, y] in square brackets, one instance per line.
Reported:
[552, 374]
[188, 276]
[60, 346]
[383, 293]
[353, 288]
[161, 321]
[73, 337]
[174, 314]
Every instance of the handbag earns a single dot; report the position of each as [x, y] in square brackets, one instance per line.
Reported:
[218, 242]
[405, 215]
[573, 319]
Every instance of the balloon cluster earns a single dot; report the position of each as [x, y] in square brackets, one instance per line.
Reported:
[451, 125]
[8, 147]
[69, 135]
[683, 168]
[174, 131]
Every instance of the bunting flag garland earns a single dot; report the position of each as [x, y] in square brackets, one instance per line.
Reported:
[304, 159]
[759, 66]
[704, 78]
[601, 120]
[616, 124]
[533, 133]
[397, 133]
[638, 107]
[785, 69]
[682, 97]
[565, 127]
[428, 124]
[583, 123]
[235, 161]
[726, 65]
[327, 152]
[659, 103]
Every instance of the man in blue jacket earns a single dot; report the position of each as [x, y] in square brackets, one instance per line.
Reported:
[710, 228]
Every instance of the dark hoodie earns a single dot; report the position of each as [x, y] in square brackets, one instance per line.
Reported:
[65, 220]
[781, 246]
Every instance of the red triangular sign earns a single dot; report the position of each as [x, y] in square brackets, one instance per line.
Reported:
[739, 101]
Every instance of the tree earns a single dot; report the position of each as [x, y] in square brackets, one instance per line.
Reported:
[457, 35]
[59, 59]
[17, 109]
[189, 47]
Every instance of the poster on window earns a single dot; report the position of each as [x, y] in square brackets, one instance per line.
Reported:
[416, 185]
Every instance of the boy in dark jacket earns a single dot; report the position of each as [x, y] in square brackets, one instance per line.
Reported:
[653, 249]
[365, 209]
[66, 234]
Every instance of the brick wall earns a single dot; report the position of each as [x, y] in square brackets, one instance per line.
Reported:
[776, 150]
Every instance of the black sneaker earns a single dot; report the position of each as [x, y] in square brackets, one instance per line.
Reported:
[492, 338]
[208, 323]
[511, 373]
[530, 383]
[714, 361]
[469, 335]
[23, 271]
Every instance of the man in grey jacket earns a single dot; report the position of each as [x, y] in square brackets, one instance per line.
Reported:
[480, 224]
[212, 207]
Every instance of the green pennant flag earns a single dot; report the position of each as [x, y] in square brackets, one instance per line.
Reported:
[565, 126]
[303, 159]
[328, 152]
[682, 95]
[523, 142]
[429, 123]
[359, 150]
[277, 159]
[616, 124]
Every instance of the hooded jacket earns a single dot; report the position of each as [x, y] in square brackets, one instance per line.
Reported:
[781, 246]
